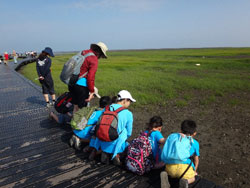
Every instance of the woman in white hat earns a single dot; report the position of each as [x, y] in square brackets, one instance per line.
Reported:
[124, 129]
[83, 90]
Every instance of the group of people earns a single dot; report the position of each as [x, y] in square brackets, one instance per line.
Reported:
[6, 57]
[82, 90]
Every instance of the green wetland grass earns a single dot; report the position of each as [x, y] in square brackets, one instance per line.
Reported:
[157, 76]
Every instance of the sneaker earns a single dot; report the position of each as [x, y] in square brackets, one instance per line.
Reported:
[77, 143]
[86, 149]
[92, 155]
[105, 158]
[116, 161]
[71, 141]
[183, 183]
[164, 180]
[48, 104]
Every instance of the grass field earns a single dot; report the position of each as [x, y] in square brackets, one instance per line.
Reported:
[156, 76]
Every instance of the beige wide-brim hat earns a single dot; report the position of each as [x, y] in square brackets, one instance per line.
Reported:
[103, 47]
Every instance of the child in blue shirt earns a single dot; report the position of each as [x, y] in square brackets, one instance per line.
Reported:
[174, 170]
[84, 135]
[156, 139]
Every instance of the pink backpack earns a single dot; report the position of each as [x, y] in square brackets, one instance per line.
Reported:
[139, 157]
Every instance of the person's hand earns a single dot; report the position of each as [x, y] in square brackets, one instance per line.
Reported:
[91, 96]
[41, 78]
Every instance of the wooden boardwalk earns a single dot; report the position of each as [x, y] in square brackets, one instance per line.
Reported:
[34, 151]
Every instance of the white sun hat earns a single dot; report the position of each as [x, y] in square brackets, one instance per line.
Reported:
[124, 94]
[103, 47]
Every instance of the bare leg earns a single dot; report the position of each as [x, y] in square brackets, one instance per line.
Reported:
[76, 108]
[54, 116]
[46, 97]
[191, 180]
[53, 97]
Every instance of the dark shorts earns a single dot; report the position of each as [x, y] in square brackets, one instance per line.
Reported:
[79, 94]
[48, 85]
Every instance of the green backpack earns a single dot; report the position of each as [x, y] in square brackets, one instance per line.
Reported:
[80, 118]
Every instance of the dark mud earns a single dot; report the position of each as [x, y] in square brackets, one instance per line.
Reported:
[223, 134]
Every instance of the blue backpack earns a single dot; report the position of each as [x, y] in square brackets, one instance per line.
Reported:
[71, 69]
[176, 149]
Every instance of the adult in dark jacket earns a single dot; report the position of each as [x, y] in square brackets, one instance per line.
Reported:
[83, 90]
[43, 65]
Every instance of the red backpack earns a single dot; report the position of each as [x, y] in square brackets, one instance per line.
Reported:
[106, 127]
[61, 105]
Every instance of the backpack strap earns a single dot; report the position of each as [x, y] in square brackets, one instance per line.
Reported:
[191, 158]
[107, 108]
[85, 56]
[119, 109]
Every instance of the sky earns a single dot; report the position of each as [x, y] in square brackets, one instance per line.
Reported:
[72, 25]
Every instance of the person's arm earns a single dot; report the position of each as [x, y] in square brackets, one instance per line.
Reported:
[93, 64]
[39, 71]
[92, 68]
[162, 141]
[129, 125]
[196, 162]
[47, 66]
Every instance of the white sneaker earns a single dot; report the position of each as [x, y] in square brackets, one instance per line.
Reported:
[183, 183]
[71, 141]
[77, 142]
[164, 180]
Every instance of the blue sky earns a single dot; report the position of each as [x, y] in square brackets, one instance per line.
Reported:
[69, 25]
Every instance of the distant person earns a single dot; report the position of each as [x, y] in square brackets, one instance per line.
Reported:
[14, 54]
[117, 147]
[6, 58]
[43, 65]
[176, 168]
[83, 90]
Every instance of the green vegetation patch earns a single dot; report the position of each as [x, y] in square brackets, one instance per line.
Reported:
[156, 76]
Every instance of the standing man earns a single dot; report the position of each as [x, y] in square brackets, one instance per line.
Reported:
[83, 90]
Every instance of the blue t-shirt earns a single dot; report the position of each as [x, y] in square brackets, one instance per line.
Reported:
[155, 137]
[194, 150]
[82, 82]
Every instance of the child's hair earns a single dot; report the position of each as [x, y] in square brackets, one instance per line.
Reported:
[154, 122]
[104, 101]
[42, 56]
[115, 99]
[188, 127]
